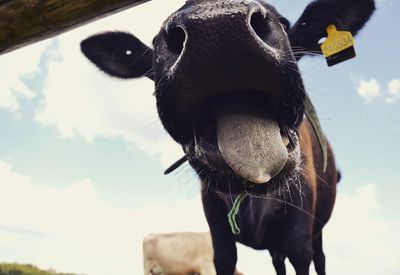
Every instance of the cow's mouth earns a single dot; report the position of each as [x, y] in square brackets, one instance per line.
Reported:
[244, 134]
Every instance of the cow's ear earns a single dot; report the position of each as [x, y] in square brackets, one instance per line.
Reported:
[346, 15]
[119, 54]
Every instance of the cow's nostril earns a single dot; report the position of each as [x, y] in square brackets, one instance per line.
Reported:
[260, 25]
[175, 40]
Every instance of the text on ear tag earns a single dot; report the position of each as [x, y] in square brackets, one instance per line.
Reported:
[338, 46]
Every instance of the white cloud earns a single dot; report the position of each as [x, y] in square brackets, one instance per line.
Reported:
[393, 91]
[359, 234]
[386, 2]
[59, 227]
[369, 89]
[79, 100]
[13, 67]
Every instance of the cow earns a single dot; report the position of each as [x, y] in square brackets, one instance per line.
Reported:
[228, 89]
[181, 253]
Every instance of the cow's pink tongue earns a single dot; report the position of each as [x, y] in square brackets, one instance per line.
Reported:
[250, 142]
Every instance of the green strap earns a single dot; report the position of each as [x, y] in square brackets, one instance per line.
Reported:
[234, 211]
[313, 118]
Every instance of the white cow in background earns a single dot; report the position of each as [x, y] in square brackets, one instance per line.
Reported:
[185, 253]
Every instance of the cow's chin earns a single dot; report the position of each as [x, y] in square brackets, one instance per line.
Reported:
[240, 140]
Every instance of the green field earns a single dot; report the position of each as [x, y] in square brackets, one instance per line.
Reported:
[26, 269]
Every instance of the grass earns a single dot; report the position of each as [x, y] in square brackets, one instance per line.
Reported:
[25, 269]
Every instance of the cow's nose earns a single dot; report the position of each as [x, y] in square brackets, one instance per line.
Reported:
[261, 25]
[223, 26]
[175, 39]
[220, 47]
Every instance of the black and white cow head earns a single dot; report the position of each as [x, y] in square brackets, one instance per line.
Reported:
[227, 84]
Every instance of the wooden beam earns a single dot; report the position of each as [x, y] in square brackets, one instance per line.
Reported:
[23, 22]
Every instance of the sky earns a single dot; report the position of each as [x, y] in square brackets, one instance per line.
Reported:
[82, 154]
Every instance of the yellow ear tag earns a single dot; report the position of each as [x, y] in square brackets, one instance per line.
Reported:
[338, 46]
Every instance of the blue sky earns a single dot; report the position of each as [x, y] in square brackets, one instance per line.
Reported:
[78, 147]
